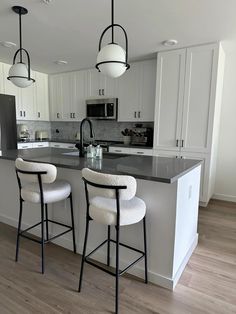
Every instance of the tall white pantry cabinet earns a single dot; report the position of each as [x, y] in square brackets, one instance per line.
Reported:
[187, 112]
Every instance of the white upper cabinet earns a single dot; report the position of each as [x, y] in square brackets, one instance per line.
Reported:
[68, 92]
[148, 90]
[32, 101]
[79, 94]
[169, 99]
[136, 92]
[185, 98]
[55, 97]
[28, 101]
[41, 97]
[129, 93]
[199, 98]
[100, 86]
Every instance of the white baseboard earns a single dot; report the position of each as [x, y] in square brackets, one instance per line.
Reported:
[66, 242]
[224, 197]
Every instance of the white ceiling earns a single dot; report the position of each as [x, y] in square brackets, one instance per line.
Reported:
[70, 29]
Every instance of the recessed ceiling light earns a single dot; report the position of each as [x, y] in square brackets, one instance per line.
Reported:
[61, 62]
[7, 44]
[170, 42]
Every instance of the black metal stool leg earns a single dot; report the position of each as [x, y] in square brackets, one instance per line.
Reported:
[18, 230]
[84, 253]
[72, 222]
[145, 249]
[108, 244]
[42, 236]
[117, 268]
[46, 213]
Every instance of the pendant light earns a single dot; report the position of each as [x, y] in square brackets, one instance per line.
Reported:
[112, 59]
[19, 73]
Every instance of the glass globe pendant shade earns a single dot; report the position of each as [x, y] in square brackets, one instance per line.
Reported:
[114, 58]
[18, 75]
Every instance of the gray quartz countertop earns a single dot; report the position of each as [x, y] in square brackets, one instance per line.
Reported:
[160, 169]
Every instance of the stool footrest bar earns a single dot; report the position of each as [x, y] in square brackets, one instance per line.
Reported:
[121, 272]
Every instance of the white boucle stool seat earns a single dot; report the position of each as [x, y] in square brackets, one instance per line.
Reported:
[52, 192]
[103, 210]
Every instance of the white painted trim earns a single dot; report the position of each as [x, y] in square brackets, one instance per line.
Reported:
[155, 278]
[224, 197]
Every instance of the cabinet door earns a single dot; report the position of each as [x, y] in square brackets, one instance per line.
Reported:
[27, 101]
[55, 97]
[169, 99]
[11, 89]
[148, 91]
[204, 172]
[97, 83]
[79, 94]
[129, 93]
[200, 78]
[41, 96]
[67, 81]
[111, 87]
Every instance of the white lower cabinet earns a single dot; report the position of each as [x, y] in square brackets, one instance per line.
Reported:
[24, 145]
[204, 186]
[131, 151]
[40, 145]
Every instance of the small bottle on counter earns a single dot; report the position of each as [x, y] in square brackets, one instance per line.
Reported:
[98, 152]
[90, 151]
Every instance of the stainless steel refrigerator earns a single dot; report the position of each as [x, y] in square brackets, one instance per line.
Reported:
[8, 130]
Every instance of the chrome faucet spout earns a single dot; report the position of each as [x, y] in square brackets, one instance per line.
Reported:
[81, 144]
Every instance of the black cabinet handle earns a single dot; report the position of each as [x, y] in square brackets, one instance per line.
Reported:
[103, 92]
[135, 114]
[24, 114]
[58, 115]
[139, 114]
[99, 92]
[20, 113]
[38, 114]
[182, 143]
[177, 143]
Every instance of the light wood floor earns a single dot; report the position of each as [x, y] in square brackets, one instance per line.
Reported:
[208, 284]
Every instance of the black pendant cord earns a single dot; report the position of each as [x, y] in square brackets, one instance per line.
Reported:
[112, 21]
[20, 35]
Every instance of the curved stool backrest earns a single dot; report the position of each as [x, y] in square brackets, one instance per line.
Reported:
[105, 185]
[29, 171]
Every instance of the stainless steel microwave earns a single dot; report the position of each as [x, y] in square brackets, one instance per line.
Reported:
[102, 109]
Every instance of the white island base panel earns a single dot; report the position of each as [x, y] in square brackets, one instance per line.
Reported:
[172, 215]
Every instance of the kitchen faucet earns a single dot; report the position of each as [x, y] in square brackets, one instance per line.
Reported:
[81, 144]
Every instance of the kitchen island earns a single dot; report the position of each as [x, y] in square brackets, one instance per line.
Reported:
[169, 187]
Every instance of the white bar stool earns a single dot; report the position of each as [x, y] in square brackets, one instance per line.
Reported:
[111, 201]
[40, 186]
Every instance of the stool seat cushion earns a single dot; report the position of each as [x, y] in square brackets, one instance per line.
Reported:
[103, 210]
[52, 192]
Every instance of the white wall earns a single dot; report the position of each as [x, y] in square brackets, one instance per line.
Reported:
[225, 187]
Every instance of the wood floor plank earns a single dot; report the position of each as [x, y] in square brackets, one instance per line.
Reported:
[207, 286]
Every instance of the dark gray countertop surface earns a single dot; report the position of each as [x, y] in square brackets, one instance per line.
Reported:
[160, 169]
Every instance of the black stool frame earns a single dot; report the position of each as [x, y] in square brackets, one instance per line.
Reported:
[21, 233]
[85, 257]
